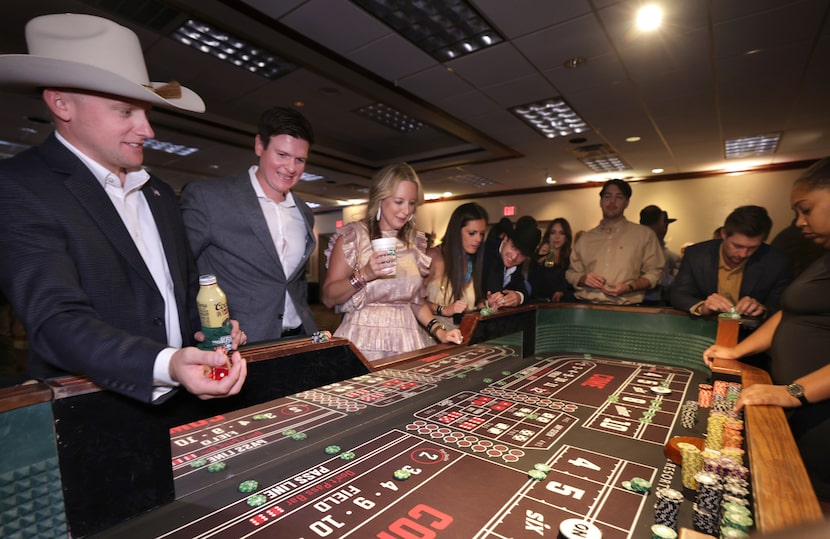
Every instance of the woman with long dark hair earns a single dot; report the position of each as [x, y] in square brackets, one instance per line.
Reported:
[454, 287]
[547, 270]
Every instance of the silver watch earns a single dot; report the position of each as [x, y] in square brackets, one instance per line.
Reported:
[798, 392]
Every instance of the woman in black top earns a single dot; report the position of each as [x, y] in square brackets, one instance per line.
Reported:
[547, 270]
[798, 337]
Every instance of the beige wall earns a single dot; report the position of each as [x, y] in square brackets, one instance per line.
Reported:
[699, 205]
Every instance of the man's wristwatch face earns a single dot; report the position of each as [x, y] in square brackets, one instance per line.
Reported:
[797, 391]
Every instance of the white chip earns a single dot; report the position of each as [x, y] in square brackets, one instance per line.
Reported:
[660, 390]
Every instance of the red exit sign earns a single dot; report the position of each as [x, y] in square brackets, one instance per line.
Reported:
[509, 210]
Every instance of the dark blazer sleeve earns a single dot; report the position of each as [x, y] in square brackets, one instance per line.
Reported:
[73, 274]
[697, 277]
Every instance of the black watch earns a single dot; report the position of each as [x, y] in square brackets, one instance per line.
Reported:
[798, 392]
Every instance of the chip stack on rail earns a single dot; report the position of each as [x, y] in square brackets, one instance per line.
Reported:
[691, 462]
[714, 430]
[667, 507]
[704, 395]
[688, 414]
[733, 433]
[706, 517]
[736, 518]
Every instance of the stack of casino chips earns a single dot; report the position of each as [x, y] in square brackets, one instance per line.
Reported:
[733, 433]
[736, 491]
[706, 517]
[688, 414]
[735, 517]
[734, 453]
[690, 464]
[704, 395]
[714, 430]
[667, 507]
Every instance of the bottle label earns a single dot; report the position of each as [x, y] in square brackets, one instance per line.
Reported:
[216, 337]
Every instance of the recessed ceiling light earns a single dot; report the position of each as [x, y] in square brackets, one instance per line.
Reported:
[231, 49]
[649, 17]
[550, 180]
[754, 146]
[390, 117]
[632, 139]
[551, 117]
[573, 63]
[657, 171]
[444, 30]
[169, 147]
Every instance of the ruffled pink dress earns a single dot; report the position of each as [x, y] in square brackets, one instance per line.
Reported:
[378, 319]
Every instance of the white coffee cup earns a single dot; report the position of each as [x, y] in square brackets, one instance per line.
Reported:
[386, 245]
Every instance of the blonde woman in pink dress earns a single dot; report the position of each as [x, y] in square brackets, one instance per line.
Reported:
[384, 314]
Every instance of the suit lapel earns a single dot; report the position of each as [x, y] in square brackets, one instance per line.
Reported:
[245, 201]
[160, 207]
[92, 197]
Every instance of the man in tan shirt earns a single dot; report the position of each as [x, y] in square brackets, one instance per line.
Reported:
[617, 261]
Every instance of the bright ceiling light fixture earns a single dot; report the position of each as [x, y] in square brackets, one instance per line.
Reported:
[649, 17]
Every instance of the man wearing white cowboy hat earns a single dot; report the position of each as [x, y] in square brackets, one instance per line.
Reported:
[95, 257]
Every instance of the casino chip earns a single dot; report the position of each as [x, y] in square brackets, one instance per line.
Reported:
[486, 311]
[260, 417]
[348, 455]
[216, 466]
[576, 528]
[332, 450]
[660, 390]
[289, 432]
[537, 475]
[402, 475]
[248, 486]
[198, 463]
[488, 380]
[256, 500]
[320, 336]
[299, 436]
[542, 467]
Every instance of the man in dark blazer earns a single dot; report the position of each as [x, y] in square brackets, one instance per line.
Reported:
[255, 235]
[738, 271]
[503, 283]
[94, 256]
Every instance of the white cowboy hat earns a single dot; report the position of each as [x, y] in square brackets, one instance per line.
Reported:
[85, 52]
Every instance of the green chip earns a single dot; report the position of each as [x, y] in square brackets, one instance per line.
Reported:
[542, 467]
[198, 463]
[402, 475]
[638, 484]
[289, 432]
[299, 436]
[538, 475]
[332, 450]
[531, 417]
[256, 500]
[646, 420]
[260, 417]
[461, 375]
[505, 373]
[348, 455]
[488, 380]
[216, 466]
[248, 486]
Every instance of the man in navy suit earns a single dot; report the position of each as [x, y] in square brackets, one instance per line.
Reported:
[95, 259]
[503, 283]
[255, 235]
[737, 271]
